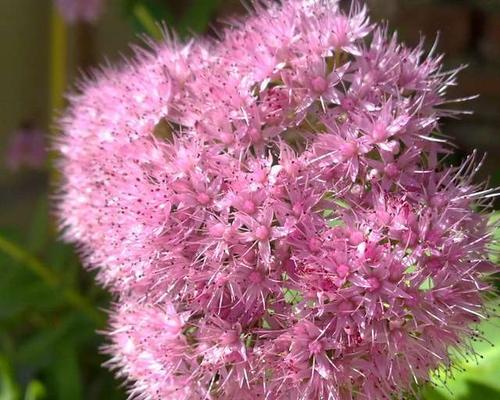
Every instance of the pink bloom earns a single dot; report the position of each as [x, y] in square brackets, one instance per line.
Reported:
[272, 213]
[80, 10]
[261, 232]
[26, 148]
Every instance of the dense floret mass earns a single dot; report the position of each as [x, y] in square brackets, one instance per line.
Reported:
[272, 212]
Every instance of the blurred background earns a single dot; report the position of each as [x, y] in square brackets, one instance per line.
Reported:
[50, 309]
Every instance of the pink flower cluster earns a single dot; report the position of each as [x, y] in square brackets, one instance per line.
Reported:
[272, 213]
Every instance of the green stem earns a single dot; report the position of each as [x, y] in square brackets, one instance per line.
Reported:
[58, 61]
[46, 274]
[58, 70]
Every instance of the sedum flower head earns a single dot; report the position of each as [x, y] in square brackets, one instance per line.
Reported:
[271, 211]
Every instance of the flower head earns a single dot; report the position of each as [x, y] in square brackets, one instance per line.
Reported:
[271, 211]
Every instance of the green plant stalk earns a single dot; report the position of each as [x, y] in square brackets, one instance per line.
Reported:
[58, 70]
[73, 298]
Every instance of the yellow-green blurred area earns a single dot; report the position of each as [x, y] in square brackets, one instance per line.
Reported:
[50, 308]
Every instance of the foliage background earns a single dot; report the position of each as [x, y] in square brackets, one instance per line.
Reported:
[50, 309]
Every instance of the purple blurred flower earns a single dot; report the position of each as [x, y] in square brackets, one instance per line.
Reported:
[26, 148]
[80, 10]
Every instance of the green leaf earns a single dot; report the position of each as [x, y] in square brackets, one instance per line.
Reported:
[483, 370]
[495, 246]
[35, 391]
[429, 393]
[332, 223]
[50, 277]
[477, 391]
[147, 14]
[20, 293]
[147, 21]
[292, 296]
[8, 387]
[38, 350]
[38, 233]
[66, 373]
[427, 284]
[342, 203]
[193, 16]
[198, 16]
